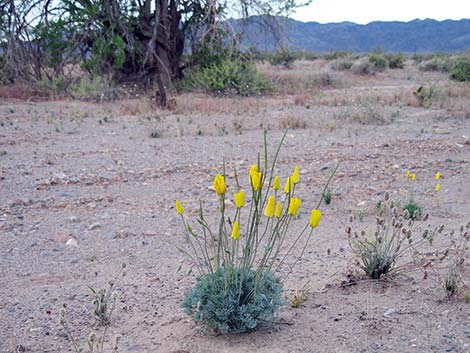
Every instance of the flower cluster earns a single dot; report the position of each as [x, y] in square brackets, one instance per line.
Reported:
[256, 234]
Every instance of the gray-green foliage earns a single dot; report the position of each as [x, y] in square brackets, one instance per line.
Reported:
[379, 61]
[231, 300]
[395, 61]
[461, 69]
[230, 76]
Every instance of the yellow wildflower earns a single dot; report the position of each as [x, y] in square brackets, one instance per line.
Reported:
[413, 176]
[294, 206]
[408, 174]
[269, 209]
[255, 178]
[219, 184]
[235, 231]
[179, 207]
[239, 198]
[438, 187]
[295, 176]
[289, 185]
[277, 183]
[315, 218]
[278, 211]
[438, 176]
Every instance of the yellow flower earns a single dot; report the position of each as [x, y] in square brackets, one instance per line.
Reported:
[255, 178]
[239, 198]
[438, 187]
[289, 185]
[438, 176]
[277, 183]
[254, 168]
[269, 210]
[278, 211]
[179, 207]
[219, 185]
[235, 231]
[315, 218]
[295, 176]
[294, 206]
[413, 176]
[408, 174]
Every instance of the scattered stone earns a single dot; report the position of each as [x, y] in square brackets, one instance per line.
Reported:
[72, 242]
[389, 312]
[94, 226]
[62, 236]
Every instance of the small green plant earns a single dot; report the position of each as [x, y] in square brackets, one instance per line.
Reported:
[327, 196]
[238, 263]
[104, 301]
[395, 61]
[461, 70]
[447, 264]
[424, 96]
[300, 296]
[413, 209]
[379, 248]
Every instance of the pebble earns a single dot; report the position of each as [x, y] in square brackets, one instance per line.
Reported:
[72, 242]
[94, 226]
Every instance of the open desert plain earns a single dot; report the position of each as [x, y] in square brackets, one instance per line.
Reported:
[87, 187]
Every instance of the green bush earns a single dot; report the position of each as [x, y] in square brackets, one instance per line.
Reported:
[92, 89]
[56, 86]
[363, 67]
[395, 61]
[461, 69]
[283, 57]
[379, 61]
[342, 64]
[437, 63]
[234, 301]
[229, 77]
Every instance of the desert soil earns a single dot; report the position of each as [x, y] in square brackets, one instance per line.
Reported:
[85, 188]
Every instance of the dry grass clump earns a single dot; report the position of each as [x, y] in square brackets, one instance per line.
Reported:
[293, 122]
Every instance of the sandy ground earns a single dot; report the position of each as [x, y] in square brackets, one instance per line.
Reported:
[93, 173]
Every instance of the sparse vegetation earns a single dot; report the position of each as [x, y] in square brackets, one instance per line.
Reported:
[461, 69]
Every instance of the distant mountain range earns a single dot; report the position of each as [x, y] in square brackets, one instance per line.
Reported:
[406, 37]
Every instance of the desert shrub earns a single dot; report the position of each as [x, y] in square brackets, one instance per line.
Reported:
[96, 88]
[283, 57]
[229, 77]
[363, 66]
[395, 61]
[436, 63]
[378, 249]
[342, 64]
[337, 55]
[239, 263]
[233, 300]
[461, 69]
[424, 96]
[379, 61]
[54, 86]
[307, 55]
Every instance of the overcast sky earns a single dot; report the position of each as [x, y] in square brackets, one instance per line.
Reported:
[365, 11]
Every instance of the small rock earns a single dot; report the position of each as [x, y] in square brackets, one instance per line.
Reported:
[72, 242]
[389, 312]
[62, 236]
[94, 226]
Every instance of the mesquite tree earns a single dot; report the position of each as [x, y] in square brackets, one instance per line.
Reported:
[141, 40]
